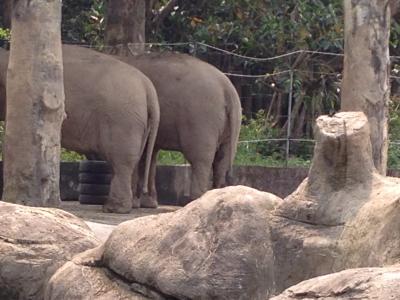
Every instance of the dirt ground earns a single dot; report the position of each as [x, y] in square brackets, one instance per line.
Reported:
[103, 223]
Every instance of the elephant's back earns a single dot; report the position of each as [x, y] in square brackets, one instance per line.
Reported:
[192, 94]
[92, 78]
[184, 81]
[101, 94]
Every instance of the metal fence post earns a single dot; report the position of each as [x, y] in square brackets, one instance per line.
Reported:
[195, 45]
[188, 167]
[289, 124]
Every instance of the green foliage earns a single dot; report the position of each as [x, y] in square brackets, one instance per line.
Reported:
[259, 128]
[258, 27]
[5, 34]
[83, 22]
[267, 28]
[70, 156]
[394, 134]
[170, 158]
[264, 153]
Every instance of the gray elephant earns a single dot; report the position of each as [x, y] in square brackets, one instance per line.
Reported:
[112, 112]
[200, 116]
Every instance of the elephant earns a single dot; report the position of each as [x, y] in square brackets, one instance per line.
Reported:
[200, 116]
[112, 112]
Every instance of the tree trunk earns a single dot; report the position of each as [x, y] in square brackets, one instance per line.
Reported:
[149, 16]
[35, 105]
[394, 7]
[6, 10]
[365, 85]
[125, 27]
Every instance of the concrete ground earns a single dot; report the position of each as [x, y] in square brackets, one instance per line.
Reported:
[103, 224]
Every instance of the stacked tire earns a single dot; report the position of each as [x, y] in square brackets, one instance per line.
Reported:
[94, 182]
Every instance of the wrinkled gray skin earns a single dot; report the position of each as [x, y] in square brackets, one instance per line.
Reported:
[112, 113]
[200, 116]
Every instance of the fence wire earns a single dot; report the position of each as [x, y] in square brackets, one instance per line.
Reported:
[286, 145]
[258, 91]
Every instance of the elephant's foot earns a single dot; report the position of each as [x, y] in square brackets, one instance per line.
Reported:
[147, 201]
[116, 210]
[117, 207]
[136, 202]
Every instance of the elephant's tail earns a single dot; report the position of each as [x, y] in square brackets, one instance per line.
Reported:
[153, 110]
[234, 113]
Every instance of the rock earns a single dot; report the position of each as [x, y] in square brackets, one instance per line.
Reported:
[239, 243]
[335, 188]
[78, 279]
[301, 251]
[368, 283]
[216, 247]
[344, 215]
[101, 231]
[372, 237]
[34, 243]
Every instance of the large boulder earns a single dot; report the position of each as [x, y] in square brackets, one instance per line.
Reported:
[216, 247]
[238, 243]
[34, 243]
[367, 284]
[344, 215]
[84, 278]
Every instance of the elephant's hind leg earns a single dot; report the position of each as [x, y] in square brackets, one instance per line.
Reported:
[201, 171]
[135, 188]
[221, 166]
[120, 197]
[123, 158]
[150, 200]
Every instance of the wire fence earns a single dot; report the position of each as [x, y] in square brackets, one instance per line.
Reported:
[279, 88]
[288, 142]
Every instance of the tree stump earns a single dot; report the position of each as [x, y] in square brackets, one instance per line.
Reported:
[342, 164]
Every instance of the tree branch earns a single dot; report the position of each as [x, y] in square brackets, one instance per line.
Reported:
[165, 11]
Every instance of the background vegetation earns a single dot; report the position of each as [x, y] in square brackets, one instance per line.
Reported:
[257, 28]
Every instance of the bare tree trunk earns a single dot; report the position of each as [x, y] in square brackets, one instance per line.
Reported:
[394, 7]
[149, 16]
[35, 105]
[125, 27]
[6, 10]
[365, 84]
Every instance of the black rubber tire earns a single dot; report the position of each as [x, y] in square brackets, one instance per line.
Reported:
[94, 189]
[92, 200]
[95, 178]
[94, 166]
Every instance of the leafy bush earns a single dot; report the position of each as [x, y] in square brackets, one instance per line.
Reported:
[394, 134]
[261, 144]
[83, 22]
[171, 158]
[70, 156]
[262, 153]
[5, 35]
